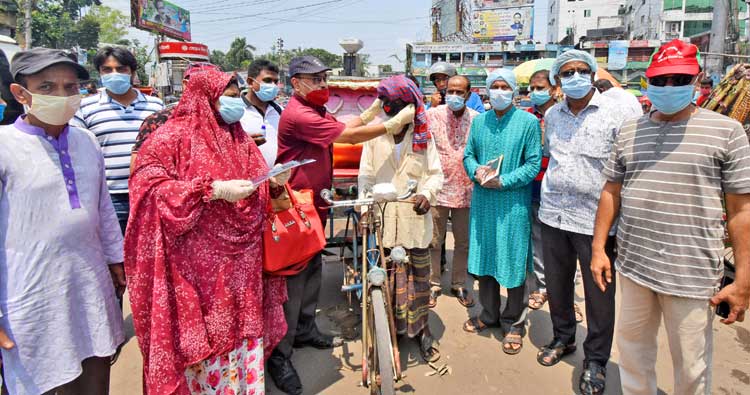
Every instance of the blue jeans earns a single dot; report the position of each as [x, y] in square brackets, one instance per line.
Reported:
[121, 201]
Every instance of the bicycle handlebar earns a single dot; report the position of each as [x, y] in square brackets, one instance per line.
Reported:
[327, 195]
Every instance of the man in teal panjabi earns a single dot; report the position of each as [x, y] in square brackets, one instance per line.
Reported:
[500, 226]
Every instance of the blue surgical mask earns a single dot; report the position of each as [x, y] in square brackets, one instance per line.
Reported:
[500, 99]
[454, 102]
[83, 92]
[231, 109]
[117, 83]
[670, 99]
[577, 86]
[267, 92]
[540, 97]
[2, 112]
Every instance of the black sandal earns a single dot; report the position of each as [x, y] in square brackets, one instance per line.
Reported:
[593, 379]
[554, 352]
[428, 351]
[514, 336]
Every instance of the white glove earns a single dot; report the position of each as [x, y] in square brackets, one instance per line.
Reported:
[282, 178]
[232, 190]
[368, 115]
[404, 117]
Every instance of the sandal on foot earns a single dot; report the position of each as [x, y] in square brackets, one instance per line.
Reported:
[475, 325]
[552, 353]
[579, 314]
[593, 379]
[434, 293]
[463, 297]
[513, 337]
[537, 300]
[427, 349]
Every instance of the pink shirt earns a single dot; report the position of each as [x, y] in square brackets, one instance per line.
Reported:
[451, 134]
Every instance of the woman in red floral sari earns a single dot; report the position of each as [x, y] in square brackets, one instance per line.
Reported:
[203, 310]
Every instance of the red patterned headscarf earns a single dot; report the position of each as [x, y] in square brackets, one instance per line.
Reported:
[400, 87]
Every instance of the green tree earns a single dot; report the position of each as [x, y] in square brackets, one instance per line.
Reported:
[240, 52]
[113, 24]
[143, 56]
[329, 59]
[53, 25]
[218, 58]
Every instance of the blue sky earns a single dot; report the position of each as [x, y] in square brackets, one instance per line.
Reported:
[385, 26]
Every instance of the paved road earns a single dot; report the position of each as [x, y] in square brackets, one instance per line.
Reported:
[478, 364]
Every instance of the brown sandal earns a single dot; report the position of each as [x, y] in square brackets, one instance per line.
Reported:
[475, 325]
[513, 337]
[537, 300]
[579, 314]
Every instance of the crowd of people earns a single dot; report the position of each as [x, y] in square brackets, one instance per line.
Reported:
[115, 191]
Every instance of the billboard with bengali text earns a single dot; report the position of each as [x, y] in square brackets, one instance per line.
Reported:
[161, 17]
[503, 24]
[479, 4]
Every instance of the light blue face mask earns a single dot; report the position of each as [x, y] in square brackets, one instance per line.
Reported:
[540, 97]
[2, 112]
[117, 83]
[670, 99]
[577, 86]
[231, 109]
[267, 91]
[454, 102]
[500, 99]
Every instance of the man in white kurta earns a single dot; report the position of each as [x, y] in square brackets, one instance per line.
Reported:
[58, 236]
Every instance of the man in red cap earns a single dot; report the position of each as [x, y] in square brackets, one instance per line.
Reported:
[667, 177]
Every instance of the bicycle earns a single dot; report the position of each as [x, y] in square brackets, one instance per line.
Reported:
[381, 366]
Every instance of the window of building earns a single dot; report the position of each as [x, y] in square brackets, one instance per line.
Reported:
[469, 57]
[454, 58]
[586, 13]
[495, 57]
[420, 57]
[643, 19]
[696, 27]
[482, 57]
[698, 6]
[672, 5]
[438, 57]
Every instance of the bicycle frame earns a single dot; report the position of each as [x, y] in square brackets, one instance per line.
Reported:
[374, 260]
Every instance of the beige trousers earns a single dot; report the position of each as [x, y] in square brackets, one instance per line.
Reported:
[688, 325]
[460, 226]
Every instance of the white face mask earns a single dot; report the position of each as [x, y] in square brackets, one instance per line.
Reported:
[54, 110]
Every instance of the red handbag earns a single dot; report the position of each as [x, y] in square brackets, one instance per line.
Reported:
[293, 234]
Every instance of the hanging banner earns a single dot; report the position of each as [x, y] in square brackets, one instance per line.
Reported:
[161, 16]
[618, 55]
[180, 50]
[479, 4]
[503, 24]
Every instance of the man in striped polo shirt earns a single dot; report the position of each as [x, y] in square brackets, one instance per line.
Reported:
[115, 115]
[667, 176]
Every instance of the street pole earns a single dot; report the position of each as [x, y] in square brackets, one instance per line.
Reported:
[28, 5]
[715, 64]
[747, 28]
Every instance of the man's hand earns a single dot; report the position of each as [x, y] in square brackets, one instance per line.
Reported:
[232, 190]
[421, 205]
[493, 183]
[258, 139]
[5, 342]
[282, 178]
[601, 268]
[738, 300]
[435, 99]
[481, 172]
[369, 115]
[395, 125]
[117, 271]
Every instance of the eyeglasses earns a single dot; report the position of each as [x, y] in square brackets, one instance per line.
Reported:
[315, 80]
[677, 80]
[571, 72]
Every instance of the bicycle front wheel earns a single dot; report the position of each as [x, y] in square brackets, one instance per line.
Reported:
[382, 339]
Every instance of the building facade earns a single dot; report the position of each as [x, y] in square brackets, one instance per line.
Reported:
[569, 20]
[669, 19]
[8, 18]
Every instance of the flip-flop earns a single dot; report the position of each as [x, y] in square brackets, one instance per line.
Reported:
[428, 352]
[475, 325]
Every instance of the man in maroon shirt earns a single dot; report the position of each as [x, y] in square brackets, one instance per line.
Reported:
[308, 131]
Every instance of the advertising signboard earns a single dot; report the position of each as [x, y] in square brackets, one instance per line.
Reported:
[503, 24]
[160, 16]
[479, 4]
[181, 50]
[618, 54]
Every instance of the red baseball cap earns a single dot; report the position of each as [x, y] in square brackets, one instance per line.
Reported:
[199, 67]
[674, 57]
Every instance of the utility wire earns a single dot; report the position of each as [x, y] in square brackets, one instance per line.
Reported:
[267, 12]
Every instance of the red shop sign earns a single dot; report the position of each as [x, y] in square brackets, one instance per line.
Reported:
[179, 50]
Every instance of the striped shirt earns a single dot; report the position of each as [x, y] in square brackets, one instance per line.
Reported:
[674, 174]
[116, 128]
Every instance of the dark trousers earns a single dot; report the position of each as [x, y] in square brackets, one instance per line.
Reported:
[121, 203]
[561, 249]
[514, 313]
[299, 309]
[94, 379]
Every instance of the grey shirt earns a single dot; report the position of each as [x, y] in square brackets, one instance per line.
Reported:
[674, 174]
